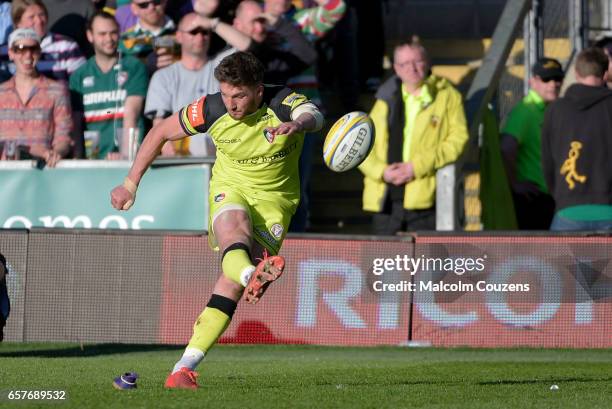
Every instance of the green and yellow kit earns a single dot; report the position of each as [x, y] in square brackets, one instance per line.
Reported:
[253, 170]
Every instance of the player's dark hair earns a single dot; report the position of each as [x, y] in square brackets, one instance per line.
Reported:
[100, 14]
[240, 68]
[592, 61]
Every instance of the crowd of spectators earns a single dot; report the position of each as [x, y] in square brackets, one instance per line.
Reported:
[127, 64]
[77, 75]
[110, 68]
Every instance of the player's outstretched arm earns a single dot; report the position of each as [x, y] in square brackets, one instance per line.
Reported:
[123, 196]
[305, 118]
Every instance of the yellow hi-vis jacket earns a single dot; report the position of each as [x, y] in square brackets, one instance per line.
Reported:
[438, 138]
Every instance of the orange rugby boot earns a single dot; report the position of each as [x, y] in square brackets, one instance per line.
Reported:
[268, 270]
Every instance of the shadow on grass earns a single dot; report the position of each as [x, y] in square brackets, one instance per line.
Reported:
[90, 350]
[542, 381]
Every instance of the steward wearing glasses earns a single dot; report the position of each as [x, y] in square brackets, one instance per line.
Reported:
[34, 110]
[179, 84]
[152, 29]
[521, 147]
[420, 127]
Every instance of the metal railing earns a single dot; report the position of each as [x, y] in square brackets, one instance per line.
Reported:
[449, 178]
[505, 73]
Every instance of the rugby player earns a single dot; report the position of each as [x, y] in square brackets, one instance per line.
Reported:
[258, 131]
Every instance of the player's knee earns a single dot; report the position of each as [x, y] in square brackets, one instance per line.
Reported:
[233, 225]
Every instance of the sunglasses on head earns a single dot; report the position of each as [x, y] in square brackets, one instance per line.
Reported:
[146, 4]
[20, 48]
[198, 30]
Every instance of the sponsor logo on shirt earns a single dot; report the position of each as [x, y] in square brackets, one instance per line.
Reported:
[266, 236]
[122, 78]
[219, 197]
[290, 99]
[264, 117]
[196, 113]
[280, 155]
[269, 137]
[277, 230]
[89, 81]
[104, 96]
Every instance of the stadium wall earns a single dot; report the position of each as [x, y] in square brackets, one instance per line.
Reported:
[148, 287]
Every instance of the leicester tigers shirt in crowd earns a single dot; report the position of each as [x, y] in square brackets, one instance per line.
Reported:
[101, 97]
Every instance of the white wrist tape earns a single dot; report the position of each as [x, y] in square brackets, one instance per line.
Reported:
[130, 187]
[312, 109]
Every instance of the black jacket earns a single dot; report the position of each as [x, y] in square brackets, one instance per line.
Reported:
[577, 147]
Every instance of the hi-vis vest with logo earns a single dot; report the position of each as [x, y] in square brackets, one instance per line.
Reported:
[247, 155]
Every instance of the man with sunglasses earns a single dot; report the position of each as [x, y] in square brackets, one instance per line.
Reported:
[521, 147]
[277, 42]
[173, 87]
[140, 39]
[34, 110]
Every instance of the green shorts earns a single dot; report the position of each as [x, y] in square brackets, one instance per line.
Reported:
[270, 214]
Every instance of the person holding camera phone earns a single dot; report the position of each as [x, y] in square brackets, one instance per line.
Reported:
[152, 37]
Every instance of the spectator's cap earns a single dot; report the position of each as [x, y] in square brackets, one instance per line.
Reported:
[548, 68]
[23, 34]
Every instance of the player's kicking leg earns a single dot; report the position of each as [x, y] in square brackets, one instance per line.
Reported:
[232, 230]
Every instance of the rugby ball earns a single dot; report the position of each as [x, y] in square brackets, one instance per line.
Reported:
[348, 142]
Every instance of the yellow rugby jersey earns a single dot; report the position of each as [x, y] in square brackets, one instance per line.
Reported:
[247, 156]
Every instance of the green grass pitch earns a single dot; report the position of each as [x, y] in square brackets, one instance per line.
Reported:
[312, 377]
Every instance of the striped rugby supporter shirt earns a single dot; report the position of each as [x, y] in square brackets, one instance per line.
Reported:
[44, 119]
[60, 57]
[138, 41]
[314, 22]
[101, 97]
